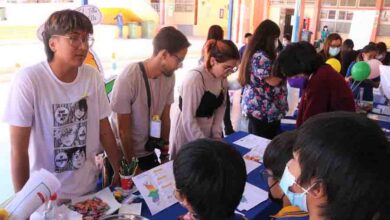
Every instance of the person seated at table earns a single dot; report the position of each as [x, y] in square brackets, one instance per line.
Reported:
[325, 89]
[202, 96]
[340, 168]
[276, 156]
[210, 178]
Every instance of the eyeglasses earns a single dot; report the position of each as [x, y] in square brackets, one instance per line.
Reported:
[76, 41]
[179, 60]
[231, 70]
[265, 174]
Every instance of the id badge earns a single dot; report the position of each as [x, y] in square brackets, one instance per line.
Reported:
[155, 126]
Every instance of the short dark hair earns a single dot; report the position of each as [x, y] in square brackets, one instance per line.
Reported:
[215, 32]
[381, 47]
[366, 49]
[221, 50]
[297, 58]
[348, 43]
[349, 154]
[247, 35]
[63, 22]
[279, 152]
[211, 175]
[169, 39]
[263, 39]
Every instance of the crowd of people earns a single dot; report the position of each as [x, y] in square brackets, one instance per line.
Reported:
[333, 166]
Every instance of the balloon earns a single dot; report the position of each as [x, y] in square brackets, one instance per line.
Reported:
[335, 63]
[360, 71]
[374, 66]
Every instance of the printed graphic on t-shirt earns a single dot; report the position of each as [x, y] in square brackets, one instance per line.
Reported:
[70, 135]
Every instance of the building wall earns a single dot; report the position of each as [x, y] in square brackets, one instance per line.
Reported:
[211, 12]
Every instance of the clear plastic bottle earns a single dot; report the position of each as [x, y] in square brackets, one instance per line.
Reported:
[51, 206]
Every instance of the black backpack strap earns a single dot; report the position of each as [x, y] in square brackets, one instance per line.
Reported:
[142, 67]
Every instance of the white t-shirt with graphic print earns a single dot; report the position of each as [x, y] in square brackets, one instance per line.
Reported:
[64, 120]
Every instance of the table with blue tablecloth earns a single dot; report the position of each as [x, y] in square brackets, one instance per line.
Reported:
[261, 211]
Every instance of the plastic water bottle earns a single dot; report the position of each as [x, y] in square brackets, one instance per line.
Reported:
[50, 210]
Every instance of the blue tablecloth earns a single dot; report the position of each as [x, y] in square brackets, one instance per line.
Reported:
[261, 211]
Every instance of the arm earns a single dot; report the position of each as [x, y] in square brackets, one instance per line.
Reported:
[165, 129]
[193, 90]
[20, 167]
[216, 128]
[108, 141]
[124, 128]
[273, 80]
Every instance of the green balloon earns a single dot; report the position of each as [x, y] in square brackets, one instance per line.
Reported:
[360, 71]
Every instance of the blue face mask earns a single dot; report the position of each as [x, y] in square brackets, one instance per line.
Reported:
[334, 51]
[296, 199]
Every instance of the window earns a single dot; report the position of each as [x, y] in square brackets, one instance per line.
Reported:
[329, 2]
[367, 3]
[332, 14]
[347, 2]
[345, 15]
[184, 5]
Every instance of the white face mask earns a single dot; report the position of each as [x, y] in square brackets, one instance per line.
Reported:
[296, 199]
[334, 51]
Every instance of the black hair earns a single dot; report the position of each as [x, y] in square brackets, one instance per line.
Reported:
[221, 50]
[211, 175]
[61, 23]
[215, 32]
[247, 35]
[279, 152]
[287, 36]
[366, 49]
[169, 39]
[381, 47]
[263, 39]
[297, 58]
[349, 155]
[348, 43]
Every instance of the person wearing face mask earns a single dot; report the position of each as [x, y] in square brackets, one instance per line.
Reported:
[367, 53]
[264, 97]
[339, 169]
[210, 178]
[325, 91]
[332, 47]
[276, 156]
[324, 33]
[383, 55]
[202, 96]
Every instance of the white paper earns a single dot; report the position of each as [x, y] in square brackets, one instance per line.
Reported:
[256, 154]
[35, 192]
[63, 214]
[133, 208]
[252, 197]
[105, 195]
[250, 165]
[251, 140]
[157, 186]
[384, 86]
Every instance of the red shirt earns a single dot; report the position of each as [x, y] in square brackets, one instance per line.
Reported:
[326, 91]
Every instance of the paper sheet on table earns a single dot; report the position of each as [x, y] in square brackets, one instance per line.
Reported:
[252, 197]
[256, 154]
[63, 210]
[34, 193]
[133, 208]
[105, 195]
[251, 140]
[157, 186]
[250, 165]
[384, 86]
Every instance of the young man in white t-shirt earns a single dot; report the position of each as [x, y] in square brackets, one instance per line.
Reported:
[58, 109]
[144, 125]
